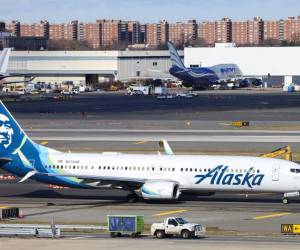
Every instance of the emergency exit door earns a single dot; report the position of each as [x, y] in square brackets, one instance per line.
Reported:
[275, 172]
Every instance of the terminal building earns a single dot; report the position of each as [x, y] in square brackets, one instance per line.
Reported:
[91, 66]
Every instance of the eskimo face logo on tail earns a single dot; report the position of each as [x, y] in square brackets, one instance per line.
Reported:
[219, 176]
[6, 132]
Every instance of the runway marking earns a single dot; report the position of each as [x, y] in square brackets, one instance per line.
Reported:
[140, 142]
[44, 142]
[270, 216]
[171, 212]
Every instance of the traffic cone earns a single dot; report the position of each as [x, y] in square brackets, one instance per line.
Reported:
[21, 215]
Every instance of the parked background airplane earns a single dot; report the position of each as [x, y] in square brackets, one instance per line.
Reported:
[148, 176]
[4, 59]
[206, 77]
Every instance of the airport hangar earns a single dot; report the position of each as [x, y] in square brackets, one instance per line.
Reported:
[97, 66]
[91, 66]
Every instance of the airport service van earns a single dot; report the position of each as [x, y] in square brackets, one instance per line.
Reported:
[178, 227]
[146, 90]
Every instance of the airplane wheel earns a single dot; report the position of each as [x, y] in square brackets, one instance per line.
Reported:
[285, 201]
[132, 198]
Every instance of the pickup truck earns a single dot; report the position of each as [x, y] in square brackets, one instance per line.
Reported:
[177, 226]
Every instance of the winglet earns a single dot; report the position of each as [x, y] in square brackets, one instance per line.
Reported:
[164, 144]
[28, 175]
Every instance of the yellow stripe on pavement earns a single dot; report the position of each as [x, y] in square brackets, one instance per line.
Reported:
[140, 142]
[270, 216]
[171, 212]
[44, 142]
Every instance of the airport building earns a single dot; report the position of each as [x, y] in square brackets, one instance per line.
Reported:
[270, 63]
[90, 66]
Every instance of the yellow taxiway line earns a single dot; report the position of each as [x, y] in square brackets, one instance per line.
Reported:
[44, 142]
[268, 216]
[171, 212]
[140, 142]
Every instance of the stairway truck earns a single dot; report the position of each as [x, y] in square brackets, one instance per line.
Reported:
[132, 225]
[173, 226]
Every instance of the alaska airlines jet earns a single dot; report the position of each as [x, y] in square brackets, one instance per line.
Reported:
[159, 176]
[201, 77]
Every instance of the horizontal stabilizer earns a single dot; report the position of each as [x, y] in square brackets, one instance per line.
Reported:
[28, 176]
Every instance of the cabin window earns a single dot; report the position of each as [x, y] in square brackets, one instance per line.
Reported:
[160, 169]
[258, 171]
[195, 169]
[181, 169]
[186, 169]
[153, 169]
[204, 170]
[173, 169]
[126, 168]
[295, 170]
[74, 167]
[200, 170]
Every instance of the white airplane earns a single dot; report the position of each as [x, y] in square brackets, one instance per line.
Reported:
[163, 176]
[4, 59]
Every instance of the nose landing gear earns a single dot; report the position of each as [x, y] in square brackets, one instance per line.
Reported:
[286, 196]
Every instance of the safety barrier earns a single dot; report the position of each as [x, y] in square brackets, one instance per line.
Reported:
[9, 212]
[41, 230]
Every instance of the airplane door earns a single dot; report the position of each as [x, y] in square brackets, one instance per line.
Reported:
[275, 172]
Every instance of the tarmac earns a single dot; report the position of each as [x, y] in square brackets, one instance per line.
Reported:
[115, 122]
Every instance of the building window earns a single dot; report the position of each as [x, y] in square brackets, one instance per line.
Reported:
[138, 73]
[154, 63]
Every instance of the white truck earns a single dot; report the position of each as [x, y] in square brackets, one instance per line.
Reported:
[179, 227]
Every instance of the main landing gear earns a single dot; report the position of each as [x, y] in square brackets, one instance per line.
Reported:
[132, 198]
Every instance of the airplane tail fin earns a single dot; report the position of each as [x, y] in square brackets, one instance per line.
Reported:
[4, 58]
[12, 136]
[175, 58]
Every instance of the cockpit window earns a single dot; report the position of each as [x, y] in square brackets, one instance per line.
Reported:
[295, 170]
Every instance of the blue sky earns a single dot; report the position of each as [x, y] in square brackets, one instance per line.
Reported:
[145, 10]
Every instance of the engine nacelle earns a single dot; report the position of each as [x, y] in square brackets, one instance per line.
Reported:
[164, 190]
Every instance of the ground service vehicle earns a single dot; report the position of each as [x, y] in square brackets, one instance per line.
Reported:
[177, 226]
[132, 225]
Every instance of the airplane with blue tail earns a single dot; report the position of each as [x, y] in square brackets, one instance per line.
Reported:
[200, 78]
[158, 176]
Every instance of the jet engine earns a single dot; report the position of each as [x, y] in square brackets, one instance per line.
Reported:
[164, 190]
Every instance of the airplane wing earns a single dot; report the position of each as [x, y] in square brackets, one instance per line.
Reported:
[86, 179]
[97, 180]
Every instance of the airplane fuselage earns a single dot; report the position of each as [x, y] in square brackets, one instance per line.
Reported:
[203, 173]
